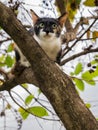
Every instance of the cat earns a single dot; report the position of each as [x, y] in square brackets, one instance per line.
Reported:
[47, 32]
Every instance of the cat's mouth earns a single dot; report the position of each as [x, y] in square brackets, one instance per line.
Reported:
[47, 35]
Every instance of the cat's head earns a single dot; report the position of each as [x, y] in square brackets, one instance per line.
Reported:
[48, 28]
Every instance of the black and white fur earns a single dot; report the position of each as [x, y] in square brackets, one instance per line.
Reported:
[47, 32]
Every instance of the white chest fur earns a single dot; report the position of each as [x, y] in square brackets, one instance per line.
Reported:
[50, 44]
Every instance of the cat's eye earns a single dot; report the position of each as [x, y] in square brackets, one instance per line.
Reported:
[41, 25]
[54, 26]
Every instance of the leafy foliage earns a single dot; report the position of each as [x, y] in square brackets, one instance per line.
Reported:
[88, 105]
[87, 76]
[23, 113]
[9, 61]
[2, 60]
[95, 34]
[89, 3]
[79, 83]
[72, 6]
[25, 85]
[36, 111]
[10, 47]
[78, 69]
[29, 99]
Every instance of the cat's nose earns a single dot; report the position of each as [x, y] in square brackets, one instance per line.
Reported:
[46, 30]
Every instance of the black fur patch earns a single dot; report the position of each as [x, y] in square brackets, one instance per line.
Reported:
[48, 26]
[58, 58]
[17, 55]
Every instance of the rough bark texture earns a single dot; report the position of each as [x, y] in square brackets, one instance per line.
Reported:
[62, 8]
[56, 85]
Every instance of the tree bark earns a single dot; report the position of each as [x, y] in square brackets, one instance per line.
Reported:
[62, 8]
[55, 85]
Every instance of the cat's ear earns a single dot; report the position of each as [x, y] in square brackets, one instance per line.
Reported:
[34, 16]
[62, 19]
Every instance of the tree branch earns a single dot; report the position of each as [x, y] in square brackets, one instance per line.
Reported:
[70, 31]
[62, 8]
[69, 48]
[27, 76]
[86, 51]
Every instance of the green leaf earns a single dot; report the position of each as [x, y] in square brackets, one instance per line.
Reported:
[39, 92]
[88, 77]
[96, 56]
[23, 113]
[38, 111]
[10, 48]
[95, 73]
[9, 61]
[91, 82]
[29, 99]
[95, 34]
[88, 105]
[8, 106]
[71, 73]
[78, 2]
[2, 64]
[25, 85]
[2, 61]
[93, 62]
[2, 58]
[89, 3]
[79, 83]
[78, 69]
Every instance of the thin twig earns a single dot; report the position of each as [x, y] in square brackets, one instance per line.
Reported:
[79, 38]
[38, 101]
[29, 111]
[86, 51]
[5, 40]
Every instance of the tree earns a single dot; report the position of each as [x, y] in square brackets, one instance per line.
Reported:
[57, 86]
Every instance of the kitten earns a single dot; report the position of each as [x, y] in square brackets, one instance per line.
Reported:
[47, 32]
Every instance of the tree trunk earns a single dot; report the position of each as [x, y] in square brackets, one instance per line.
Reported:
[56, 85]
